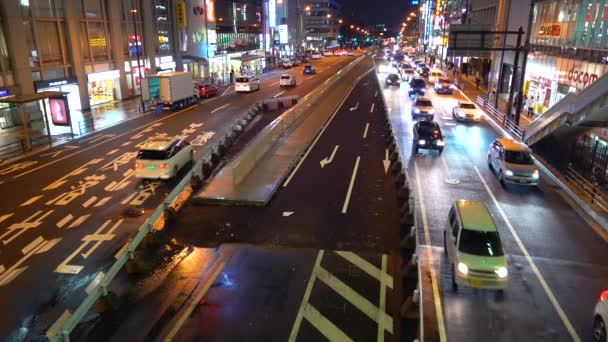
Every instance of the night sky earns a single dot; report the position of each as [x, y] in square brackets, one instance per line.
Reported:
[390, 12]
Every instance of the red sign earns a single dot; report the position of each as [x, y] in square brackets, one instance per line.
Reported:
[210, 11]
[60, 113]
[578, 76]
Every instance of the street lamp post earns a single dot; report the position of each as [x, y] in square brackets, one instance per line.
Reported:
[133, 11]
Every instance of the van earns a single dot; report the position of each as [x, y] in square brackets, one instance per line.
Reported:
[246, 84]
[473, 247]
[434, 75]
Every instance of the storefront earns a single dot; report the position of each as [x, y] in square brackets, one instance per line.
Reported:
[7, 111]
[104, 86]
[246, 62]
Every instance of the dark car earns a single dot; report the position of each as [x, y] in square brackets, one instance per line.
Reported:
[424, 71]
[427, 135]
[392, 80]
[309, 70]
[206, 90]
[443, 86]
[417, 86]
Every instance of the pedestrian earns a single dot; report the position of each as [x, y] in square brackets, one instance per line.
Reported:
[231, 76]
[477, 81]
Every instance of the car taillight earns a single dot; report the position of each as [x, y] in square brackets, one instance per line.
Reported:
[604, 295]
[139, 165]
[163, 166]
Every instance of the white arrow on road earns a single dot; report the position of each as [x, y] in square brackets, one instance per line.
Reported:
[386, 161]
[355, 107]
[287, 213]
[330, 159]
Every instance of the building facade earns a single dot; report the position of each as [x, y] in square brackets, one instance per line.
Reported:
[321, 24]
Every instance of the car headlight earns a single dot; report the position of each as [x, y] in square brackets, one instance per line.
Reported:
[460, 113]
[416, 110]
[535, 175]
[509, 173]
[463, 268]
[440, 143]
[502, 272]
[421, 142]
[431, 111]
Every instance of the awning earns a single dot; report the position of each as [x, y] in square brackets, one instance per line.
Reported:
[30, 98]
[247, 58]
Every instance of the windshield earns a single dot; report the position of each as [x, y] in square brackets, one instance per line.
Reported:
[417, 83]
[393, 77]
[152, 155]
[286, 77]
[518, 157]
[467, 106]
[480, 243]
[242, 79]
[424, 103]
[429, 130]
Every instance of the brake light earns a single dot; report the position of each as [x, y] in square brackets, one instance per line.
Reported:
[604, 295]
[139, 165]
[163, 166]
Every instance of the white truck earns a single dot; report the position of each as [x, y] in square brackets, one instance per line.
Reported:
[173, 89]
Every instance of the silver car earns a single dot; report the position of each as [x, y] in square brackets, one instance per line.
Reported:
[423, 108]
[512, 163]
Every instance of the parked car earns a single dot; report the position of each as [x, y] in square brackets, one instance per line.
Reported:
[287, 80]
[423, 107]
[417, 86]
[206, 90]
[427, 136]
[443, 85]
[246, 84]
[474, 248]
[309, 70]
[162, 158]
[512, 162]
[392, 80]
[287, 64]
[466, 111]
[296, 61]
[600, 318]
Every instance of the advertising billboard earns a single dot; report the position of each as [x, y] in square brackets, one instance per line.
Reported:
[272, 13]
[210, 10]
[283, 36]
[60, 113]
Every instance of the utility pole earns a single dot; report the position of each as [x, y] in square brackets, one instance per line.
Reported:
[520, 33]
[141, 99]
[524, 62]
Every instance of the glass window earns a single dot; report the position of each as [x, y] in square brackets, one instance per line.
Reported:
[518, 157]
[480, 243]
[49, 42]
[92, 9]
[31, 44]
[84, 42]
[97, 40]
[4, 61]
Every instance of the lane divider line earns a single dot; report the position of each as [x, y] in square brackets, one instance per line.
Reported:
[350, 186]
[277, 95]
[535, 269]
[427, 241]
[366, 128]
[218, 108]
[311, 281]
[367, 267]
[325, 326]
[371, 110]
[382, 308]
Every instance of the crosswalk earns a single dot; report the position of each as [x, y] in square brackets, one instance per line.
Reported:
[345, 299]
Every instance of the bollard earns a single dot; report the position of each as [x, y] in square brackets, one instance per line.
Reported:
[215, 157]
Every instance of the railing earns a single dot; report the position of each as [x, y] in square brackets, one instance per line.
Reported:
[86, 126]
[507, 123]
[12, 149]
[588, 188]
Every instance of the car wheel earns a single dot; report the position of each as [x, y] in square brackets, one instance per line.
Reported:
[454, 285]
[445, 245]
[501, 179]
[490, 163]
[599, 330]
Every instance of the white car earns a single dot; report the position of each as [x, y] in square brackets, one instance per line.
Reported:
[408, 74]
[422, 108]
[327, 53]
[286, 64]
[246, 84]
[162, 158]
[317, 55]
[350, 53]
[287, 80]
[466, 111]
[512, 162]
[600, 317]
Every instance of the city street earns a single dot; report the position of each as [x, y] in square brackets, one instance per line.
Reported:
[64, 219]
[339, 209]
[557, 257]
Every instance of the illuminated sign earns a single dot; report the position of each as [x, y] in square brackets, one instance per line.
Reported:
[104, 75]
[180, 14]
[283, 34]
[212, 36]
[60, 113]
[210, 11]
[198, 10]
[272, 9]
[3, 92]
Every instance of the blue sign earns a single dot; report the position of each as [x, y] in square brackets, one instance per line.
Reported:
[415, 2]
[3, 92]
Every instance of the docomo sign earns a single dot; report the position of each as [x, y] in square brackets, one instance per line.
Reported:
[578, 76]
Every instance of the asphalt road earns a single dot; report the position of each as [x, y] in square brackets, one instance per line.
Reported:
[558, 258]
[336, 217]
[61, 213]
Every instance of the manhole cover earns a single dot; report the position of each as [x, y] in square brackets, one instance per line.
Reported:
[452, 181]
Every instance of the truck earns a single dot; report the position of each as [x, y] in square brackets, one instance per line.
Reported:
[175, 90]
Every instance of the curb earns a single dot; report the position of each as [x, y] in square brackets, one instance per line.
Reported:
[597, 218]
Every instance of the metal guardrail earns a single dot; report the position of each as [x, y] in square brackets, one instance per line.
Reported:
[12, 149]
[507, 123]
[61, 329]
[588, 188]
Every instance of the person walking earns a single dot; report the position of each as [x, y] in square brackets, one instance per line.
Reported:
[231, 76]
[477, 81]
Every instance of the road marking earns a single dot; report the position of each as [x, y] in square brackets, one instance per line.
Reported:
[445, 166]
[204, 288]
[329, 159]
[89, 201]
[449, 124]
[384, 321]
[30, 201]
[376, 93]
[279, 94]
[125, 144]
[352, 109]
[275, 83]
[311, 281]
[112, 152]
[368, 267]
[371, 110]
[226, 92]
[64, 220]
[218, 108]
[366, 128]
[37, 246]
[79, 221]
[386, 162]
[325, 326]
[103, 201]
[535, 269]
[350, 186]
[4, 217]
[287, 213]
[382, 308]
[427, 241]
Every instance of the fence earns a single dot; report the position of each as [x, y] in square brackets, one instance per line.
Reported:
[588, 188]
[507, 123]
[12, 149]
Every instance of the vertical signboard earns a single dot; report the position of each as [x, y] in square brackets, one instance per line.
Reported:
[60, 112]
[283, 37]
[210, 10]
[180, 14]
[272, 11]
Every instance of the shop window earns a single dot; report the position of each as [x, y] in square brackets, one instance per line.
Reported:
[4, 61]
[49, 42]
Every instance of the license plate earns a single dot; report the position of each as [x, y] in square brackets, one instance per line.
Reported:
[475, 282]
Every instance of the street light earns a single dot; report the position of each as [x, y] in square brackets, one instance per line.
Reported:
[408, 19]
[352, 26]
[307, 8]
[328, 15]
[340, 21]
